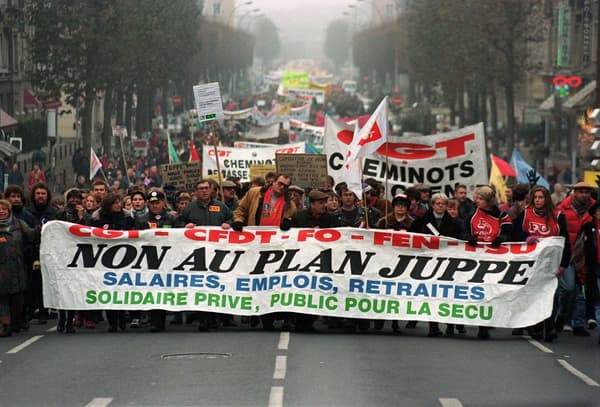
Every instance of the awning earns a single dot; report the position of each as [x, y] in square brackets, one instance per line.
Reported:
[6, 120]
[29, 101]
[579, 99]
[7, 150]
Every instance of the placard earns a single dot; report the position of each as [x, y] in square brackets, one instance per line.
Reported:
[306, 170]
[209, 104]
[183, 176]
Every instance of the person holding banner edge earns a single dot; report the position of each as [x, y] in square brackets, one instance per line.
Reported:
[266, 206]
[488, 225]
[205, 211]
[158, 217]
[538, 220]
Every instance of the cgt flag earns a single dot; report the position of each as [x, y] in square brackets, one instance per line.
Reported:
[353, 173]
[372, 136]
[95, 163]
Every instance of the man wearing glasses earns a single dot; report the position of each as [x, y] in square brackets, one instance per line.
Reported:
[266, 206]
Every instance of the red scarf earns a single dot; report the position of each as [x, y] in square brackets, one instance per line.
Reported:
[271, 216]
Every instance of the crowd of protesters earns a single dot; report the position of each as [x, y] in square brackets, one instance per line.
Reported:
[531, 213]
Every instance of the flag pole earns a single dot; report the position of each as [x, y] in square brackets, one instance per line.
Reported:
[169, 146]
[124, 156]
[215, 140]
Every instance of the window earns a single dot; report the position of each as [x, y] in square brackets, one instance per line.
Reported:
[217, 9]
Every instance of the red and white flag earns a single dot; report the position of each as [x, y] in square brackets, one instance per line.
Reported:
[95, 164]
[353, 174]
[372, 136]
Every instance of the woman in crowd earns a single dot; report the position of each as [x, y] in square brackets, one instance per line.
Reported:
[487, 225]
[333, 202]
[111, 216]
[138, 202]
[539, 220]
[14, 236]
[126, 204]
[399, 219]
[138, 210]
[437, 221]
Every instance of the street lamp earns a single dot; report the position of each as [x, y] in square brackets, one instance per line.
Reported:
[246, 3]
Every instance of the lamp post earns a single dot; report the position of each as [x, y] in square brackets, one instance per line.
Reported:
[246, 3]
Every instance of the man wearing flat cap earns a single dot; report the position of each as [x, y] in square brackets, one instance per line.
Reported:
[571, 303]
[316, 215]
[157, 217]
[230, 195]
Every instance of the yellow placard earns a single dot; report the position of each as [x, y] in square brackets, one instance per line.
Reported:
[295, 79]
[260, 170]
[591, 178]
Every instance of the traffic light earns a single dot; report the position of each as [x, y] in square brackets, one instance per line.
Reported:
[593, 128]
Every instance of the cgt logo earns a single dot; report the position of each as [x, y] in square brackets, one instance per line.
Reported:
[287, 150]
[451, 148]
[222, 153]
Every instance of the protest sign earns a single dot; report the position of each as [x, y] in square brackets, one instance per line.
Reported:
[348, 272]
[235, 162]
[183, 176]
[306, 170]
[440, 160]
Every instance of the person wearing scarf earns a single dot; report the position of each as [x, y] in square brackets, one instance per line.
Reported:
[15, 235]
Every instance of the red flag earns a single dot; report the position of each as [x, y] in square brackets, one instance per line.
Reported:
[193, 153]
[505, 169]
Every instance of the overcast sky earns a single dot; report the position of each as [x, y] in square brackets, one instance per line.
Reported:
[303, 21]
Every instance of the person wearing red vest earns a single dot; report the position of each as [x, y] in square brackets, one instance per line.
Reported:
[570, 301]
[539, 220]
[488, 225]
[591, 248]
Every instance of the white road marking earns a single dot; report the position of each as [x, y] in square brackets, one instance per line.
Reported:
[25, 344]
[280, 367]
[276, 396]
[582, 376]
[99, 402]
[52, 329]
[284, 341]
[450, 402]
[538, 345]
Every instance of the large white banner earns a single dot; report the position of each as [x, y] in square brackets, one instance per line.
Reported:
[440, 160]
[347, 272]
[236, 162]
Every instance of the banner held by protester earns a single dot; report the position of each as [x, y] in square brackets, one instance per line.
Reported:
[354, 273]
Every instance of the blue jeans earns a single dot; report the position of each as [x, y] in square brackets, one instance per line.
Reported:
[565, 295]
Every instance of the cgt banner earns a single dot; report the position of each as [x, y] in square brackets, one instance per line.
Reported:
[355, 273]
[236, 162]
[440, 160]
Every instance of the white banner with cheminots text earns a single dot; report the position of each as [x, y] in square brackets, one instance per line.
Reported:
[346, 272]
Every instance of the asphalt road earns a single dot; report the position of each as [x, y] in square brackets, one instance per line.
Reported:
[246, 366]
